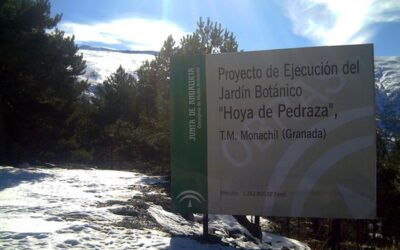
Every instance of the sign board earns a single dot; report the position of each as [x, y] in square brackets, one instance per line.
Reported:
[276, 133]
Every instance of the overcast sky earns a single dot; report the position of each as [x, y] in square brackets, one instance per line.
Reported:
[257, 25]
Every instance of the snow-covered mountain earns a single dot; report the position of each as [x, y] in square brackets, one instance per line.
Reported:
[101, 62]
[387, 85]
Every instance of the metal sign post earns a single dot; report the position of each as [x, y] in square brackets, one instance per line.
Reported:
[205, 226]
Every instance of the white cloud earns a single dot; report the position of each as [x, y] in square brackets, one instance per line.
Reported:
[340, 21]
[135, 33]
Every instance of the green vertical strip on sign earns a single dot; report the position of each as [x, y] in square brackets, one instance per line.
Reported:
[189, 134]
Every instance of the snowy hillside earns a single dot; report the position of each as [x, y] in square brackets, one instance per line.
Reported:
[102, 62]
[104, 209]
[387, 80]
[387, 73]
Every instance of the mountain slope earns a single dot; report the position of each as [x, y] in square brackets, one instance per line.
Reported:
[387, 95]
[102, 62]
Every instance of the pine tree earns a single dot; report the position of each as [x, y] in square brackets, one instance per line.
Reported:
[389, 192]
[39, 69]
[117, 98]
[209, 38]
[118, 115]
[154, 77]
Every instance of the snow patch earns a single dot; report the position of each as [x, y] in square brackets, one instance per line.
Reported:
[52, 208]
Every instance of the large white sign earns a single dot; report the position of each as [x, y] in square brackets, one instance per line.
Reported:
[290, 132]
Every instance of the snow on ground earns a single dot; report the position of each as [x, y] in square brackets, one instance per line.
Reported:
[84, 209]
